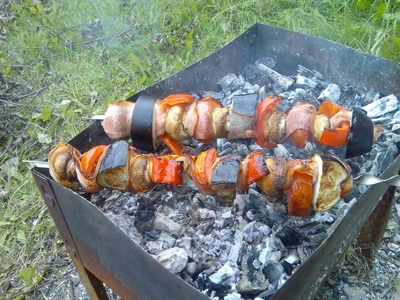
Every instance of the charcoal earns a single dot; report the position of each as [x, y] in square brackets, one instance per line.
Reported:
[265, 295]
[272, 271]
[185, 243]
[153, 247]
[218, 290]
[173, 259]
[305, 252]
[233, 296]
[276, 255]
[252, 280]
[236, 248]
[382, 106]
[144, 220]
[229, 83]
[289, 237]
[205, 214]
[305, 82]
[255, 232]
[281, 82]
[226, 275]
[163, 223]
[166, 240]
[332, 93]
[267, 61]
[287, 267]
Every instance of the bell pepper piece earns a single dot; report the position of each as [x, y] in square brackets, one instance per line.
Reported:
[165, 169]
[176, 99]
[175, 146]
[257, 168]
[337, 137]
[202, 170]
[328, 108]
[90, 159]
[263, 110]
[300, 194]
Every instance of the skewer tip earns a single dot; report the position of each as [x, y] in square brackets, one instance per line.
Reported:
[95, 117]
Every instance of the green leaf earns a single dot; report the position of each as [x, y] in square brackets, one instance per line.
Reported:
[380, 10]
[396, 42]
[362, 4]
[27, 276]
[53, 42]
[43, 138]
[21, 236]
[9, 169]
[46, 114]
[7, 70]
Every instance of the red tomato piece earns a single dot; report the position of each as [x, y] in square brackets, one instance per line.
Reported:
[300, 194]
[90, 159]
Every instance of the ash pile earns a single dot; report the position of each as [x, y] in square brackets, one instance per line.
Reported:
[250, 247]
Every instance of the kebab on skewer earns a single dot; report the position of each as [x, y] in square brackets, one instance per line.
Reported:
[179, 117]
[318, 182]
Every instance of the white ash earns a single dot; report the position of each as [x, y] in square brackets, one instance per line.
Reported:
[382, 106]
[249, 248]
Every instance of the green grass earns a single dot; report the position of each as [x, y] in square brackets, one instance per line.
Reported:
[64, 60]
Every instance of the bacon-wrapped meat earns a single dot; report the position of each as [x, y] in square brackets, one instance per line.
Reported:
[179, 117]
[317, 183]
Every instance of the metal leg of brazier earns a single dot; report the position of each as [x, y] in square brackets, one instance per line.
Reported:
[374, 227]
[93, 286]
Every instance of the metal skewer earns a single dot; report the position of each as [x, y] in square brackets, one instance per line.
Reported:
[369, 179]
[366, 179]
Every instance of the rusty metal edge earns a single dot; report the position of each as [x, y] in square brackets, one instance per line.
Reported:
[319, 265]
[93, 286]
[99, 246]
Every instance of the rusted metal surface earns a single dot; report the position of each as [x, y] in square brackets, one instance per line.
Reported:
[372, 232]
[304, 283]
[107, 253]
[101, 247]
[94, 287]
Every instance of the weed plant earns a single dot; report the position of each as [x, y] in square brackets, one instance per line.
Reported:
[63, 60]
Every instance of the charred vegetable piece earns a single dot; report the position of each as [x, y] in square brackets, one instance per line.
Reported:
[224, 175]
[113, 172]
[241, 119]
[141, 130]
[361, 134]
[61, 166]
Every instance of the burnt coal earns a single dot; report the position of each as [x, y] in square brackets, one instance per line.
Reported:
[273, 271]
[289, 237]
[248, 247]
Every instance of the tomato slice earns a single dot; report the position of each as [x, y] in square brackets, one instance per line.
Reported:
[203, 168]
[165, 169]
[90, 159]
[328, 108]
[337, 137]
[300, 194]
[264, 109]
